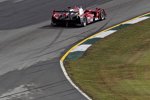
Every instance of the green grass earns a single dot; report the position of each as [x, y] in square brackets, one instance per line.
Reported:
[117, 67]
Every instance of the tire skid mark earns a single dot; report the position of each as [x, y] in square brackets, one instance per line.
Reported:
[54, 43]
[60, 92]
[49, 45]
[47, 86]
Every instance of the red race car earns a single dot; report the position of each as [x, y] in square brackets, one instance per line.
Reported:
[77, 16]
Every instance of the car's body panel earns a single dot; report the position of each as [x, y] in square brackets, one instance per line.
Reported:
[77, 16]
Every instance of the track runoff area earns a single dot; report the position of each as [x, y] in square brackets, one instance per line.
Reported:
[79, 49]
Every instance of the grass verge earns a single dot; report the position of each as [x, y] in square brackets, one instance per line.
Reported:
[117, 67]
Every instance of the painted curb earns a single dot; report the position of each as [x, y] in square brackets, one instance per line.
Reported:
[99, 35]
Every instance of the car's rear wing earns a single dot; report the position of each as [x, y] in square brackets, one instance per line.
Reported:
[64, 11]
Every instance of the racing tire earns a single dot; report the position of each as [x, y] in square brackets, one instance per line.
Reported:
[67, 24]
[102, 15]
[53, 24]
[84, 22]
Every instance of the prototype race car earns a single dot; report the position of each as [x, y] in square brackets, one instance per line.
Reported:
[77, 16]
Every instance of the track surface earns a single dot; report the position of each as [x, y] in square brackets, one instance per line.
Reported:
[30, 49]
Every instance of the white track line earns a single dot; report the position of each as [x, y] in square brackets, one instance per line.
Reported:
[68, 78]
[104, 34]
[136, 20]
[83, 47]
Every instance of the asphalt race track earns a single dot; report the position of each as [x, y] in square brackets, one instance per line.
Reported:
[30, 48]
[28, 12]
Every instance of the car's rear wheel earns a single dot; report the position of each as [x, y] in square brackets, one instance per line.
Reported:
[67, 24]
[84, 22]
[53, 24]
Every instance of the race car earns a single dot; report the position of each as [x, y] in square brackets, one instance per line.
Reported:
[77, 16]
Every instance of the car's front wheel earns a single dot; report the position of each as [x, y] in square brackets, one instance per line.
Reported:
[102, 15]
